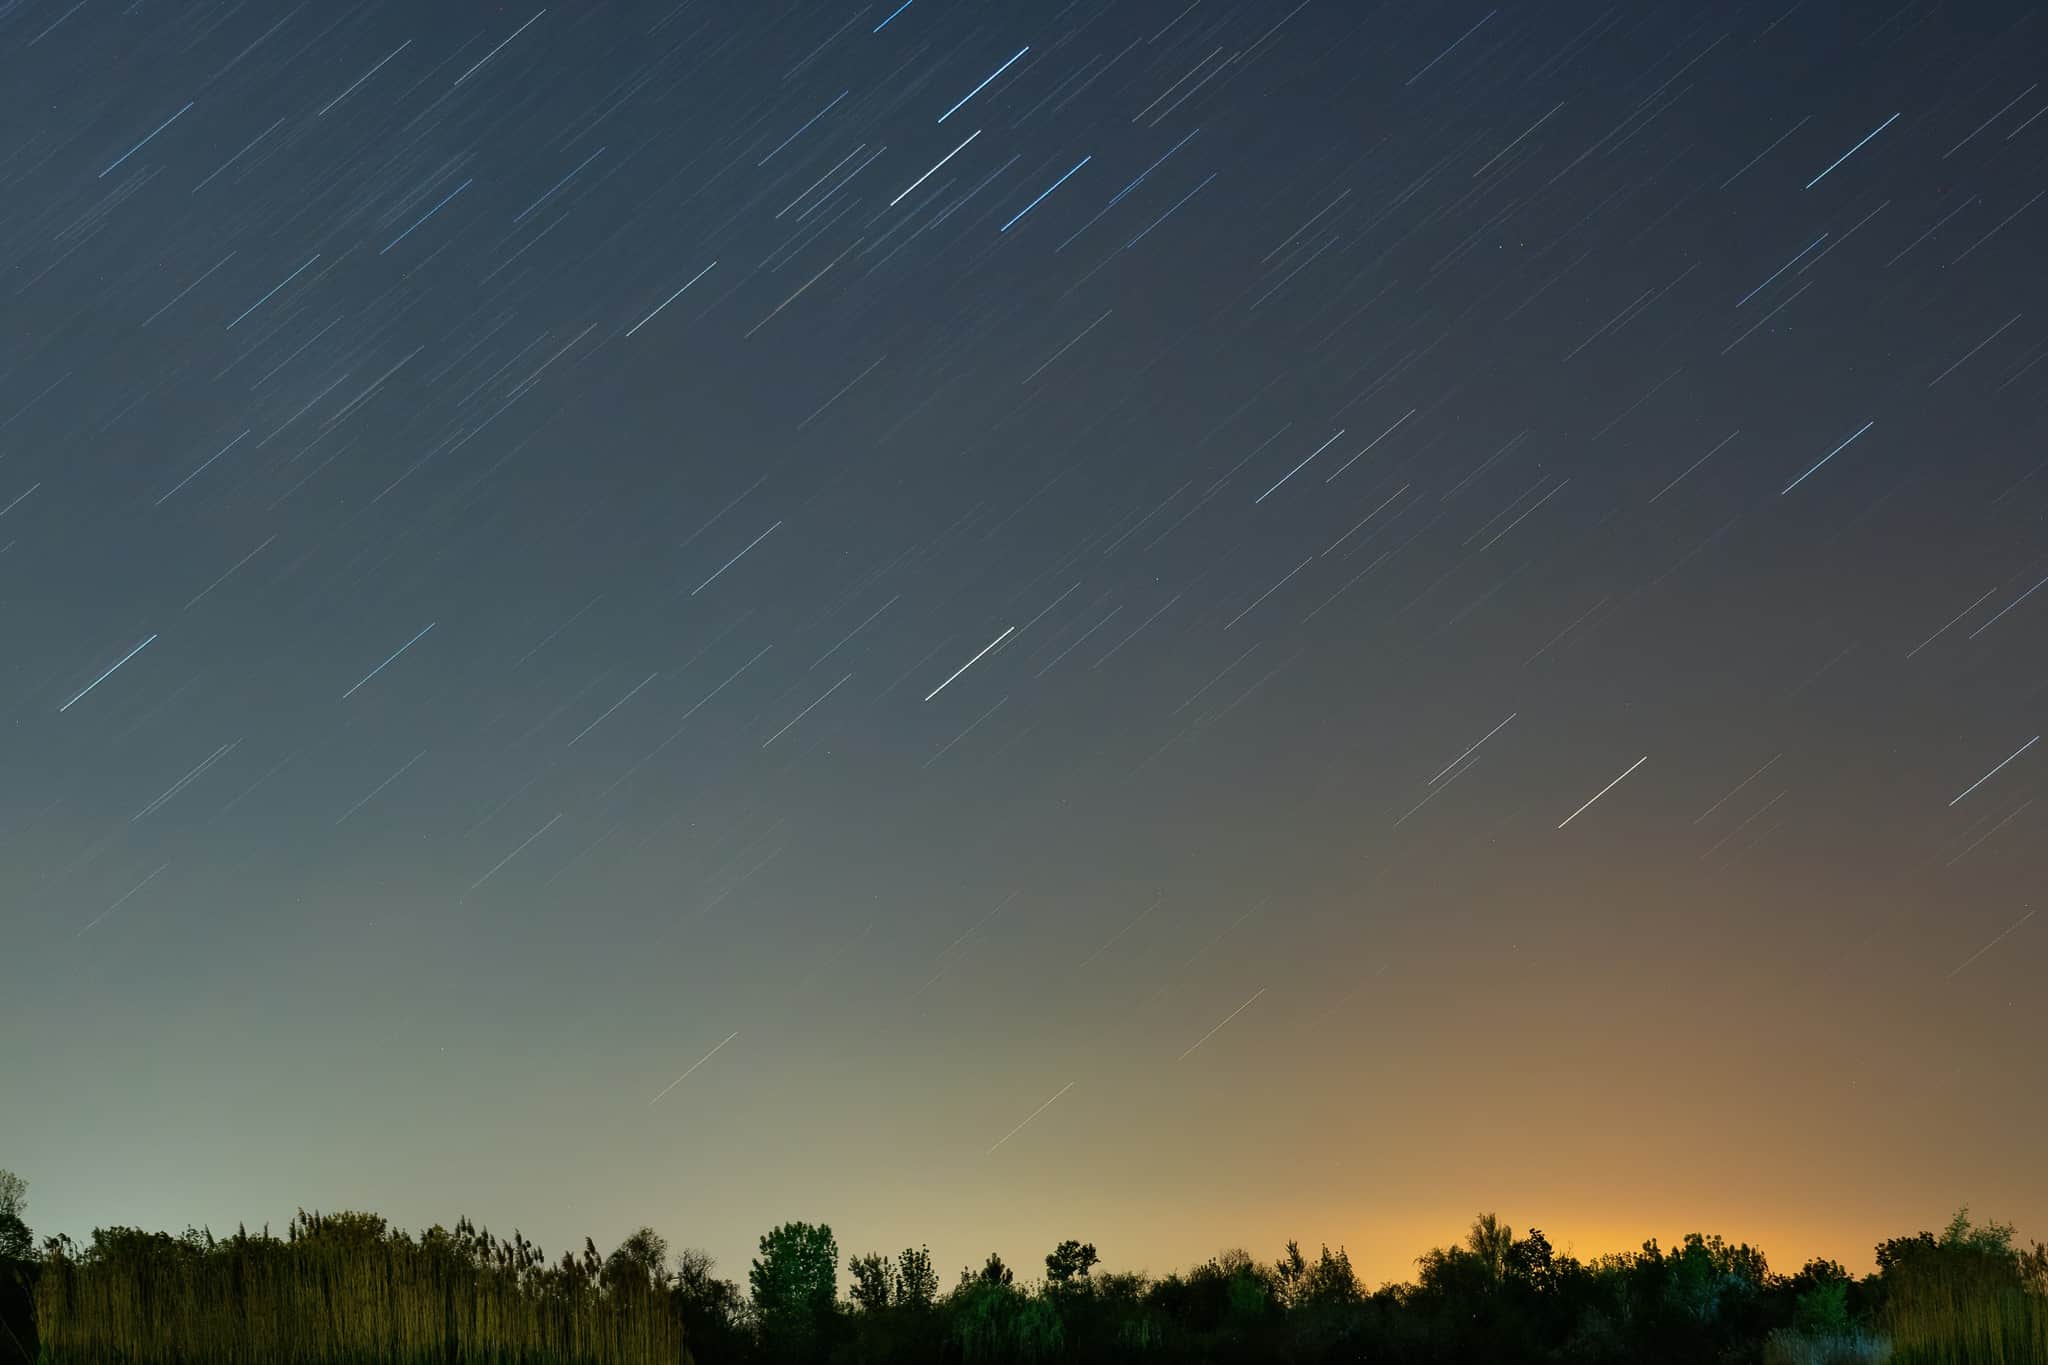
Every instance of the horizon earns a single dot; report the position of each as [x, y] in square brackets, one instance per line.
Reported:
[1365, 1256]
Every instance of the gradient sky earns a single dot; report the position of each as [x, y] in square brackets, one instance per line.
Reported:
[1031, 600]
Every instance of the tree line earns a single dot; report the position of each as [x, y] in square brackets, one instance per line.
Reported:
[347, 1287]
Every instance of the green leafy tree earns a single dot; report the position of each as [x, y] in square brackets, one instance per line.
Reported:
[874, 1282]
[1895, 1252]
[1818, 1271]
[712, 1309]
[917, 1283]
[1993, 1239]
[1531, 1261]
[1070, 1262]
[1705, 1277]
[641, 1260]
[1290, 1270]
[993, 1271]
[795, 1284]
[15, 1240]
[993, 1320]
[1823, 1311]
[1490, 1240]
[1330, 1280]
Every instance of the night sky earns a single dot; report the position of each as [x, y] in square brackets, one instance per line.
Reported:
[1177, 624]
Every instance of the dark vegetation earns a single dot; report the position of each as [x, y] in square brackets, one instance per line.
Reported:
[348, 1288]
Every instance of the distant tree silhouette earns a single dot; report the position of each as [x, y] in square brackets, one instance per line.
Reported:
[16, 1242]
[1330, 1280]
[917, 1283]
[1489, 1241]
[1290, 1270]
[1070, 1261]
[874, 1282]
[640, 1260]
[17, 1273]
[1532, 1262]
[713, 1310]
[993, 1320]
[346, 1287]
[794, 1283]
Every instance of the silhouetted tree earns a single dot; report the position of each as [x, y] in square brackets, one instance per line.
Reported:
[347, 1287]
[1330, 1280]
[640, 1260]
[1070, 1261]
[1290, 1270]
[1489, 1241]
[795, 1283]
[712, 1309]
[17, 1273]
[993, 1320]
[1897, 1251]
[16, 1242]
[874, 1282]
[917, 1284]
[1993, 1239]
[1531, 1261]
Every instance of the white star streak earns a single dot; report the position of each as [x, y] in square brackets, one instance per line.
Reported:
[669, 300]
[699, 1062]
[1461, 757]
[805, 712]
[1994, 772]
[1034, 1114]
[1008, 631]
[1603, 791]
[1825, 458]
[1226, 1019]
[106, 675]
[984, 85]
[386, 664]
[159, 872]
[734, 560]
[513, 854]
[1994, 942]
[935, 165]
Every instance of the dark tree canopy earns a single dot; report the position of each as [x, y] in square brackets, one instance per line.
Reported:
[1070, 1261]
[795, 1280]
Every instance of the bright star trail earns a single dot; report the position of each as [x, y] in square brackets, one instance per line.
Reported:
[1469, 565]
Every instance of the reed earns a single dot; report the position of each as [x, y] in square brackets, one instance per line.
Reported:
[1966, 1315]
[344, 1289]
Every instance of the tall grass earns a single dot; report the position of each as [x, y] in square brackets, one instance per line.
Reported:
[1789, 1347]
[1951, 1314]
[344, 1289]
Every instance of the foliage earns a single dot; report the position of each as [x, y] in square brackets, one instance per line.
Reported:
[1070, 1261]
[795, 1282]
[16, 1242]
[342, 1287]
[993, 1271]
[917, 1284]
[874, 1282]
[713, 1311]
[345, 1288]
[994, 1321]
[1963, 1299]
